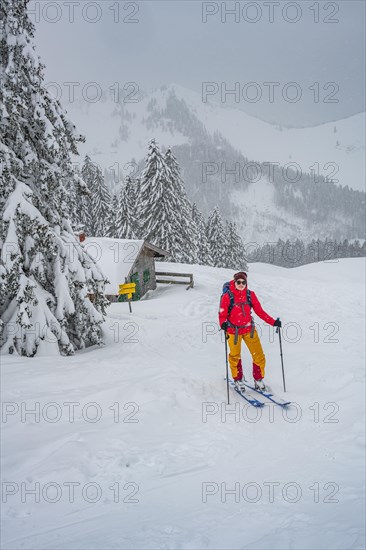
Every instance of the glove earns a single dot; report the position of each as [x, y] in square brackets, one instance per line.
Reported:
[277, 323]
[224, 326]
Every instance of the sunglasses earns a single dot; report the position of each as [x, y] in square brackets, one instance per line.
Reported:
[240, 282]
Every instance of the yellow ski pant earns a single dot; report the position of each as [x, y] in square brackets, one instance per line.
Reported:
[255, 347]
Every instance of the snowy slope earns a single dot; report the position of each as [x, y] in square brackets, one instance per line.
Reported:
[115, 134]
[261, 141]
[164, 363]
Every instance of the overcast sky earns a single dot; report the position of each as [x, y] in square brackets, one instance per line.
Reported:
[189, 42]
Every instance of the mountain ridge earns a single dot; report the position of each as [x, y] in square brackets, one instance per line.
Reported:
[223, 150]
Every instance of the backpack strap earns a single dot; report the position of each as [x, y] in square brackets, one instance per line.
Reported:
[249, 299]
[231, 305]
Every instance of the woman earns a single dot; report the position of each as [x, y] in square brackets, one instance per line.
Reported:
[236, 320]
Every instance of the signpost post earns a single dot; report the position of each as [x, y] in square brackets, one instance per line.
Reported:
[129, 289]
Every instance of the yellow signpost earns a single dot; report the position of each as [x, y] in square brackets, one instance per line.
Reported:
[129, 289]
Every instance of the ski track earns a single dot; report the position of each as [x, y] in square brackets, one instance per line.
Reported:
[170, 371]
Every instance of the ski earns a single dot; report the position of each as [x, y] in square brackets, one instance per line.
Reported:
[269, 395]
[247, 396]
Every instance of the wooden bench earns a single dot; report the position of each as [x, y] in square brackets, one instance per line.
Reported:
[172, 281]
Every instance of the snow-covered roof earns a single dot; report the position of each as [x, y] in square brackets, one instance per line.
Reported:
[116, 257]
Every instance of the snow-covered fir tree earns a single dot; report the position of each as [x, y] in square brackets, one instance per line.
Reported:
[83, 211]
[78, 197]
[45, 273]
[71, 200]
[217, 238]
[204, 253]
[88, 174]
[95, 208]
[159, 205]
[100, 205]
[188, 228]
[112, 218]
[127, 224]
[235, 257]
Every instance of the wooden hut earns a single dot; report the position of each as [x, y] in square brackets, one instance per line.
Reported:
[125, 260]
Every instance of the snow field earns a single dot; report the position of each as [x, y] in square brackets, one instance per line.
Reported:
[151, 442]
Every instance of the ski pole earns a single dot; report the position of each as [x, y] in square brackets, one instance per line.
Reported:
[227, 370]
[283, 370]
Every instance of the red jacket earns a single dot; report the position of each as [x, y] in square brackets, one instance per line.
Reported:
[241, 314]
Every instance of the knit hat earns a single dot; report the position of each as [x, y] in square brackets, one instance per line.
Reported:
[240, 275]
